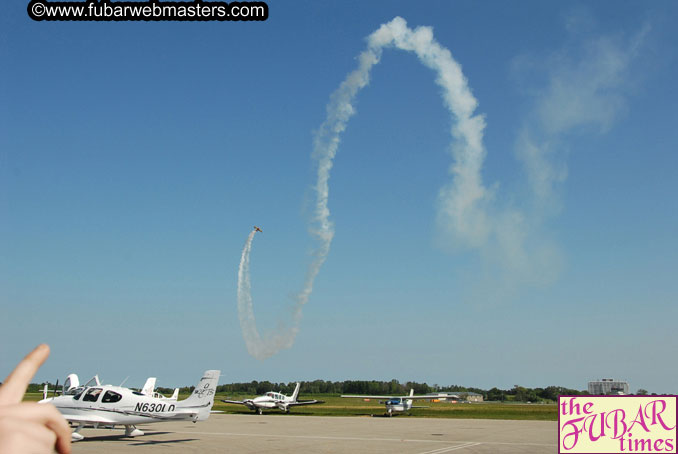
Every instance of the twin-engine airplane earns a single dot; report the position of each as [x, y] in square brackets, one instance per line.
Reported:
[107, 406]
[395, 403]
[272, 400]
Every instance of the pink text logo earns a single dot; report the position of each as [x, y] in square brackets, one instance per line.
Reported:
[617, 424]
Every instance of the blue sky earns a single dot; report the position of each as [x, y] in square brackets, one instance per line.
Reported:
[135, 158]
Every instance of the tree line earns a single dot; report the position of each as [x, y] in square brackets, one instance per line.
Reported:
[395, 388]
[375, 387]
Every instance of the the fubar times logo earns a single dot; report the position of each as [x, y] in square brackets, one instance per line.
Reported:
[617, 424]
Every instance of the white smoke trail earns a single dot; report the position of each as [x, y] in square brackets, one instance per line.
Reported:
[256, 346]
[462, 201]
[508, 239]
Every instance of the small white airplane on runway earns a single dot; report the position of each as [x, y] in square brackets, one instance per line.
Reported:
[272, 400]
[395, 403]
[107, 406]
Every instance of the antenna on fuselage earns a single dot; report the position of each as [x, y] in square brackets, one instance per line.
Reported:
[123, 382]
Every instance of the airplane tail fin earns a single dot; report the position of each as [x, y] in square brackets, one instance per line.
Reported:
[409, 401]
[149, 386]
[202, 398]
[175, 394]
[44, 392]
[296, 392]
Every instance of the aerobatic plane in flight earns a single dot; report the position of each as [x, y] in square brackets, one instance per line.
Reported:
[395, 403]
[258, 229]
[107, 406]
[272, 400]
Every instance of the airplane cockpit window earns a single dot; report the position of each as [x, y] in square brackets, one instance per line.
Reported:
[110, 397]
[78, 394]
[92, 395]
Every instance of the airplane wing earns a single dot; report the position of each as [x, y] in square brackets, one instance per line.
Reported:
[390, 397]
[351, 396]
[305, 402]
[88, 419]
[247, 403]
[97, 419]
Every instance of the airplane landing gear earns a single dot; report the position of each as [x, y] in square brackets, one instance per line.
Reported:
[75, 435]
[132, 431]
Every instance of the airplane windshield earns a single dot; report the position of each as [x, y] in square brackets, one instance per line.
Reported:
[94, 381]
[75, 391]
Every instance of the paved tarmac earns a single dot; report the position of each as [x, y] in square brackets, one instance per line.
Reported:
[336, 435]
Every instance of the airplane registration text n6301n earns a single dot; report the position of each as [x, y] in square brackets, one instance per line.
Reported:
[146, 407]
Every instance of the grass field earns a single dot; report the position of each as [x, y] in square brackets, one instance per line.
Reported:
[336, 406]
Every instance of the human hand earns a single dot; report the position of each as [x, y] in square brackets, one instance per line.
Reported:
[29, 427]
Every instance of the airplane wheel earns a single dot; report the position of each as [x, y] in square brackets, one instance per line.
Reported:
[260, 411]
[75, 436]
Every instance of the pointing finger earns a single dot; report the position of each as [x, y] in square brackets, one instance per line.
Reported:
[14, 387]
[47, 416]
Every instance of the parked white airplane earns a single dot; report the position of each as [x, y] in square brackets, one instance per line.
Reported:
[272, 400]
[149, 390]
[109, 406]
[395, 403]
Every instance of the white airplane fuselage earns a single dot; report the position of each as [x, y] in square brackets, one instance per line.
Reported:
[398, 405]
[109, 406]
[114, 404]
[272, 400]
[269, 401]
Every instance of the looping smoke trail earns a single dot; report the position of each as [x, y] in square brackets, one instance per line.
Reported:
[461, 200]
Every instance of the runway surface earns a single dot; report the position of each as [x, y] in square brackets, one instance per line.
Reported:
[335, 435]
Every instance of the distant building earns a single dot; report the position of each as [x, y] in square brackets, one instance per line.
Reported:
[606, 386]
[473, 397]
[467, 396]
